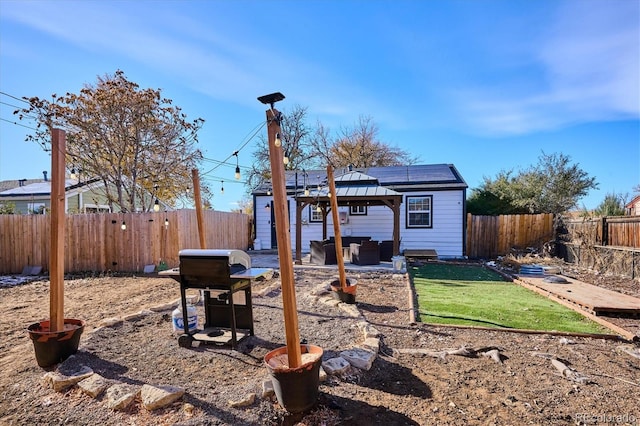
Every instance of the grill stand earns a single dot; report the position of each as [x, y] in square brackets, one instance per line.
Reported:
[224, 320]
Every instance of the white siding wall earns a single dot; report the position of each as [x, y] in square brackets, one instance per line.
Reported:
[445, 236]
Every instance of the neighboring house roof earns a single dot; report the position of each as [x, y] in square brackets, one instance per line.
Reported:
[398, 178]
[10, 184]
[41, 188]
[635, 201]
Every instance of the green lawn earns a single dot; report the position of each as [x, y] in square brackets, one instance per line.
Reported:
[472, 295]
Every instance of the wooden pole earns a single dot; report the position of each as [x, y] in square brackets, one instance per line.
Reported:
[283, 237]
[336, 227]
[56, 265]
[198, 201]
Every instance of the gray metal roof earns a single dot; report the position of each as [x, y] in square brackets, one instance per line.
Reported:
[355, 177]
[401, 178]
[356, 191]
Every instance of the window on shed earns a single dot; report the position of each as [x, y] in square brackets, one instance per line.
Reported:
[419, 211]
[358, 210]
[314, 214]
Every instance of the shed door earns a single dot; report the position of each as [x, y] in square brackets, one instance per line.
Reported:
[274, 239]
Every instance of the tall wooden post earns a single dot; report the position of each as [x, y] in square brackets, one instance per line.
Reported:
[283, 236]
[197, 199]
[336, 227]
[56, 263]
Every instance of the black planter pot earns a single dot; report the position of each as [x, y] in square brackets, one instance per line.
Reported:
[296, 388]
[54, 347]
[346, 296]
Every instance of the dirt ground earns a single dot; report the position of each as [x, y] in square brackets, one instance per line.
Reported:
[403, 387]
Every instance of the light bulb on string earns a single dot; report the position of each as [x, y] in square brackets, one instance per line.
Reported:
[278, 141]
[222, 187]
[237, 174]
[123, 226]
[156, 206]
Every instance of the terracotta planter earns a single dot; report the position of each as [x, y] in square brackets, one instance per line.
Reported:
[296, 388]
[346, 295]
[54, 347]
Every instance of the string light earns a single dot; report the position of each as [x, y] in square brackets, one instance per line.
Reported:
[278, 141]
[156, 206]
[222, 187]
[237, 175]
[73, 174]
[123, 226]
[285, 159]
[166, 222]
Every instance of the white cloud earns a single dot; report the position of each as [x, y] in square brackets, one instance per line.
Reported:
[590, 61]
[221, 62]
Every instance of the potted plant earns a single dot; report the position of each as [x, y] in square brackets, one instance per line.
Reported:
[346, 293]
[52, 347]
[54, 340]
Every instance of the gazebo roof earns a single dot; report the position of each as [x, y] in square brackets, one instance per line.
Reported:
[354, 188]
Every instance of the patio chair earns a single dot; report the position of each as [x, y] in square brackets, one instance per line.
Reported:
[365, 253]
[386, 250]
[323, 253]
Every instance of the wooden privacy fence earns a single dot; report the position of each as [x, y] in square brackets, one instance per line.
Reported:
[622, 231]
[492, 236]
[97, 242]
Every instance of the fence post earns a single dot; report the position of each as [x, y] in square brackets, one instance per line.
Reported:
[605, 232]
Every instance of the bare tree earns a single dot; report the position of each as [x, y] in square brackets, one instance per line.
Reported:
[296, 144]
[131, 139]
[309, 148]
[358, 146]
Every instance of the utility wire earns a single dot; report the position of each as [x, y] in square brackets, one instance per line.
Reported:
[18, 124]
[16, 98]
[255, 132]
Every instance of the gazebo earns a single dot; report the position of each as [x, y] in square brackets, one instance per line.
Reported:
[352, 189]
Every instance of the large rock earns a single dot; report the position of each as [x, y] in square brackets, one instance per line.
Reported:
[337, 365]
[93, 385]
[154, 397]
[248, 400]
[359, 358]
[120, 396]
[59, 381]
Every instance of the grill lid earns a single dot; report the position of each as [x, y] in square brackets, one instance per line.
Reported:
[235, 256]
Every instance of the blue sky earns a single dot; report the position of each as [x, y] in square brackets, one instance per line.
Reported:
[487, 85]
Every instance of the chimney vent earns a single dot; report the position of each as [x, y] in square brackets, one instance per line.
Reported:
[45, 175]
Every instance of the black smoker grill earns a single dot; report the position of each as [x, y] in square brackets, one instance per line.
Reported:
[223, 277]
